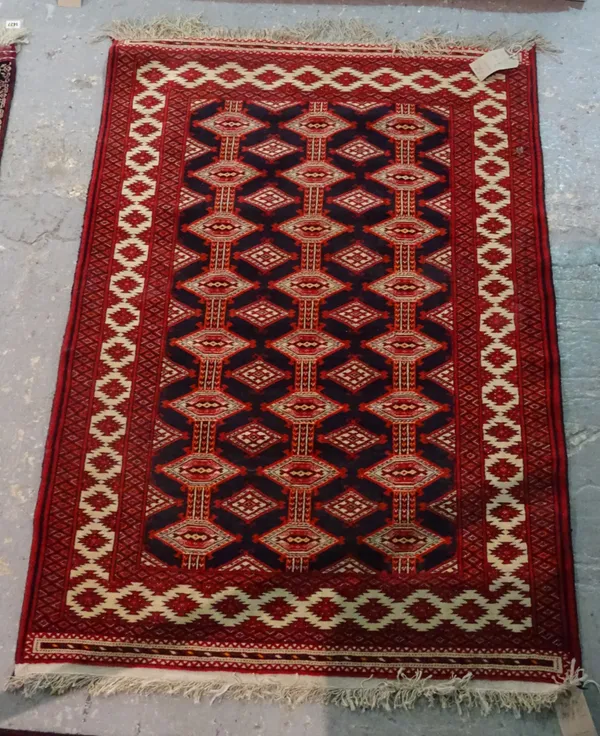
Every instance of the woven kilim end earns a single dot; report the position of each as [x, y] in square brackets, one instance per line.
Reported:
[308, 418]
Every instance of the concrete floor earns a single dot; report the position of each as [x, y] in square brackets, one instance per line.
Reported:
[44, 176]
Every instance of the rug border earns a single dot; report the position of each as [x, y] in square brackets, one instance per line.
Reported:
[565, 542]
[57, 411]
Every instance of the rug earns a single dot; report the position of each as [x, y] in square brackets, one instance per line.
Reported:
[306, 441]
[7, 82]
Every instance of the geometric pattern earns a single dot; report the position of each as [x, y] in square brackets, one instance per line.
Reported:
[289, 434]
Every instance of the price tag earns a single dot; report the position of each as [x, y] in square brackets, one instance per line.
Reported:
[13, 24]
[493, 61]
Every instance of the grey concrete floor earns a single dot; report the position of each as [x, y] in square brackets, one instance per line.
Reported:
[44, 176]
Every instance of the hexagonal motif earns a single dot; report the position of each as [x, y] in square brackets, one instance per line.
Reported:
[405, 230]
[307, 284]
[298, 539]
[305, 406]
[222, 227]
[231, 123]
[399, 126]
[200, 469]
[317, 124]
[405, 177]
[315, 173]
[355, 314]
[312, 228]
[212, 343]
[218, 284]
[307, 344]
[226, 173]
[403, 473]
[406, 540]
[205, 405]
[352, 438]
[305, 473]
[404, 287]
[403, 345]
[403, 406]
[195, 537]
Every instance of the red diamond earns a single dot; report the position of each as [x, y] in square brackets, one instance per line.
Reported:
[315, 228]
[195, 536]
[404, 540]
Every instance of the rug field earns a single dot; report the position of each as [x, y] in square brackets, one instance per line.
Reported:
[307, 439]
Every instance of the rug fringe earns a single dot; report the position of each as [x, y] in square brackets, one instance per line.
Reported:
[400, 694]
[326, 30]
[13, 36]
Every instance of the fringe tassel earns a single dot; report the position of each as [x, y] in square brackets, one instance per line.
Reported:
[13, 37]
[328, 30]
[402, 694]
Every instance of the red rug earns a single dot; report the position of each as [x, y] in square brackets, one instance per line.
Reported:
[308, 418]
[7, 82]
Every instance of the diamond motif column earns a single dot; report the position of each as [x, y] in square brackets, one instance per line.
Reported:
[302, 474]
[202, 470]
[404, 473]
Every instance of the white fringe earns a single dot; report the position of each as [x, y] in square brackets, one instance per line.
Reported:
[403, 693]
[13, 36]
[328, 30]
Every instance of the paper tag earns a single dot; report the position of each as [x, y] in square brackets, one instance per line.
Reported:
[13, 24]
[574, 716]
[69, 3]
[493, 61]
